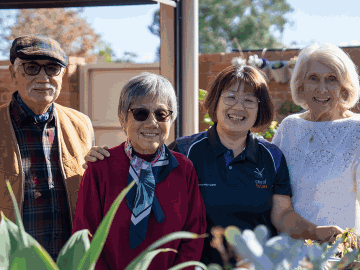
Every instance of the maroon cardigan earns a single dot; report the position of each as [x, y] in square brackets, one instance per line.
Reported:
[179, 197]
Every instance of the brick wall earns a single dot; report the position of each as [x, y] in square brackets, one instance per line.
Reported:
[69, 95]
[211, 64]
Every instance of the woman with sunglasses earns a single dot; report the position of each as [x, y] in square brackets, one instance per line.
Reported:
[244, 180]
[166, 196]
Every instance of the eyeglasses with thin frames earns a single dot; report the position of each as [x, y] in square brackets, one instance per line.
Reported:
[33, 69]
[231, 98]
[142, 114]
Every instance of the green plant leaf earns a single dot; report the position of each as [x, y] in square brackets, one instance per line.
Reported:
[202, 94]
[214, 266]
[231, 232]
[98, 241]
[22, 239]
[5, 244]
[13, 233]
[144, 264]
[187, 264]
[163, 240]
[32, 258]
[73, 251]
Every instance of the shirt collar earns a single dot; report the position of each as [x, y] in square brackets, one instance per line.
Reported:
[251, 149]
[215, 144]
[22, 112]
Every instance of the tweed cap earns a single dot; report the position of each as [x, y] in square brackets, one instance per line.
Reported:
[37, 47]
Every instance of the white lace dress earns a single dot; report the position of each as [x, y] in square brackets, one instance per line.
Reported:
[324, 164]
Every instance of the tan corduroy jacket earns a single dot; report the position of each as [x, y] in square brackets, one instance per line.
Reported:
[75, 135]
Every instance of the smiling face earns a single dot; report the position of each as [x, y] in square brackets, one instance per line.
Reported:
[322, 90]
[147, 136]
[236, 119]
[38, 91]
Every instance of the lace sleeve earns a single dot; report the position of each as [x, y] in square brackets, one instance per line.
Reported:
[278, 134]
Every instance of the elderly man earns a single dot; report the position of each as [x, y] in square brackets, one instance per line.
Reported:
[42, 144]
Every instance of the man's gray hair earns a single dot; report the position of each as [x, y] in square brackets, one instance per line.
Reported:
[143, 86]
[334, 58]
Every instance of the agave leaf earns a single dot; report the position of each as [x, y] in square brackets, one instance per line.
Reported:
[73, 251]
[346, 260]
[5, 244]
[230, 233]
[144, 264]
[11, 245]
[332, 250]
[22, 238]
[261, 233]
[163, 240]
[97, 243]
[32, 258]
[187, 264]
[214, 266]
[250, 248]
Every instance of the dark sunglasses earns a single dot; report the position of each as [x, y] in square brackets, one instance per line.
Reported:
[142, 114]
[33, 69]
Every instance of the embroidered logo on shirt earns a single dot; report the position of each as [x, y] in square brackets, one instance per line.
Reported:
[207, 185]
[259, 173]
[260, 184]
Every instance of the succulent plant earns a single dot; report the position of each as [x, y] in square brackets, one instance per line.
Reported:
[280, 252]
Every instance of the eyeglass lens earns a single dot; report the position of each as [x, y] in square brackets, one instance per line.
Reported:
[33, 69]
[142, 114]
[248, 101]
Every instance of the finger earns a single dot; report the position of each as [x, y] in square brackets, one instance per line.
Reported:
[97, 154]
[90, 158]
[104, 151]
[85, 166]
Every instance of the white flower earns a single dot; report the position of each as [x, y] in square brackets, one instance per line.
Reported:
[238, 61]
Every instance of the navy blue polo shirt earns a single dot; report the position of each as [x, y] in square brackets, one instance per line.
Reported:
[236, 191]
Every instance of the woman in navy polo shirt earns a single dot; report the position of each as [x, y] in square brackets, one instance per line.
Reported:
[244, 180]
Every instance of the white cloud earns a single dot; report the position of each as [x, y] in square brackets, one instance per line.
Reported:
[354, 43]
[344, 44]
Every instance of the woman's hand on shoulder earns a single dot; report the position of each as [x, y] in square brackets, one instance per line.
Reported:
[95, 153]
[328, 233]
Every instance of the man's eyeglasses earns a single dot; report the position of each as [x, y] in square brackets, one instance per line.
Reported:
[142, 114]
[231, 99]
[33, 69]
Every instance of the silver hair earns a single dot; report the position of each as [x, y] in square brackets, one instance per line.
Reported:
[336, 59]
[143, 86]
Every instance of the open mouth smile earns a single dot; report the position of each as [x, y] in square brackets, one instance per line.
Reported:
[321, 100]
[236, 118]
[149, 135]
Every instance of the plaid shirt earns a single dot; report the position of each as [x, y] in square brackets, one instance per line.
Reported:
[46, 214]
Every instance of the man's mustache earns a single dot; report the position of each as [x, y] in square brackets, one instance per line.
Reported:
[42, 86]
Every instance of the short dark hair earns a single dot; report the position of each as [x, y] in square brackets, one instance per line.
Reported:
[252, 77]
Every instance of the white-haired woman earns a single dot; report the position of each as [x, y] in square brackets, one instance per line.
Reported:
[166, 198]
[322, 144]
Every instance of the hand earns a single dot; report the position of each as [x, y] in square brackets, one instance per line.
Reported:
[95, 153]
[328, 233]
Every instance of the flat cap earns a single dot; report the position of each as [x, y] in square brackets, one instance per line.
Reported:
[37, 47]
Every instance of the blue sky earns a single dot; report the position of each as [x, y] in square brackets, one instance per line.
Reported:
[334, 21]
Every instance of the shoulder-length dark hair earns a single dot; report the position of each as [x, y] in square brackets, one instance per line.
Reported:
[252, 77]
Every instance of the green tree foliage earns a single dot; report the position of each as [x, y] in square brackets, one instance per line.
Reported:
[252, 22]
